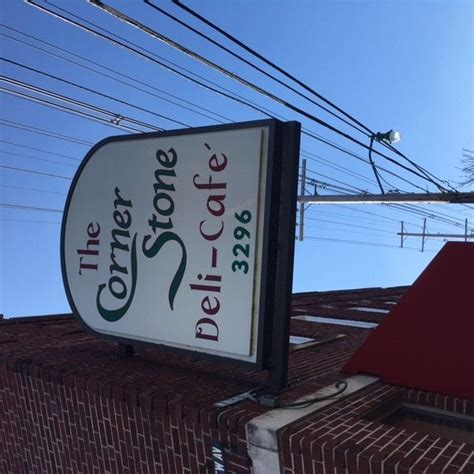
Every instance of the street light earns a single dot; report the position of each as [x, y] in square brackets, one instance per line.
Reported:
[391, 136]
[388, 137]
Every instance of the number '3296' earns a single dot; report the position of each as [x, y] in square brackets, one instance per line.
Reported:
[241, 249]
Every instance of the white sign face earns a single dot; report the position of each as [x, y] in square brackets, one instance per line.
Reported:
[162, 239]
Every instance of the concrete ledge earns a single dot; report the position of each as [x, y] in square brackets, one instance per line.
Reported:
[262, 431]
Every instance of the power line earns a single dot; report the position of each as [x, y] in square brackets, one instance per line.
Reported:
[363, 211]
[172, 63]
[252, 65]
[333, 187]
[23, 170]
[155, 34]
[30, 208]
[322, 230]
[308, 170]
[338, 188]
[349, 188]
[232, 97]
[398, 207]
[392, 187]
[115, 118]
[168, 41]
[319, 213]
[200, 58]
[41, 131]
[333, 179]
[267, 61]
[348, 152]
[439, 215]
[330, 230]
[34, 158]
[380, 218]
[421, 212]
[30, 221]
[120, 74]
[39, 149]
[358, 242]
[141, 54]
[419, 167]
[302, 84]
[354, 155]
[404, 208]
[23, 188]
[379, 221]
[309, 218]
[349, 225]
[335, 166]
[151, 53]
[92, 91]
[343, 190]
[63, 108]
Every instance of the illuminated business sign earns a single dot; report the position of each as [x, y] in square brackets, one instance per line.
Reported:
[167, 238]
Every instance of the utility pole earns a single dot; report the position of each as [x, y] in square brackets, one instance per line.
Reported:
[424, 234]
[385, 198]
[388, 198]
[401, 236]
[391, 198]
[301, 203]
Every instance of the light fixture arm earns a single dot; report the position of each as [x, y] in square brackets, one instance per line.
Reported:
[374, 168]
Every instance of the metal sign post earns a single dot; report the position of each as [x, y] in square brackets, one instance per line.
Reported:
[278, 379]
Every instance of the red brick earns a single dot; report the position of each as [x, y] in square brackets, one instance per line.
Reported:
[83, 410]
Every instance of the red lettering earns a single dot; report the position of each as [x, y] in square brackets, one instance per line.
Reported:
[91, 250]
[211, 237]
[214, 164]
[200, 334]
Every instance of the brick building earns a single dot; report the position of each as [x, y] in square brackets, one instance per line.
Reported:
[68, 404]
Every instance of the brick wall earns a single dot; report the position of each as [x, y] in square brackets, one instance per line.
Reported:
[80, 426]
[341, 440]
[67, 404]
[339, 303]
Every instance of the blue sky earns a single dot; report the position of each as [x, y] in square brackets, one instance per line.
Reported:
[406, 65]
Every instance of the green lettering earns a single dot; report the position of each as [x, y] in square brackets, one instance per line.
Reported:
[160, 184]
[113, 315]
[157, 245]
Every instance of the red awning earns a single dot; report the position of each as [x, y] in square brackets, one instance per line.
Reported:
[427, 341]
